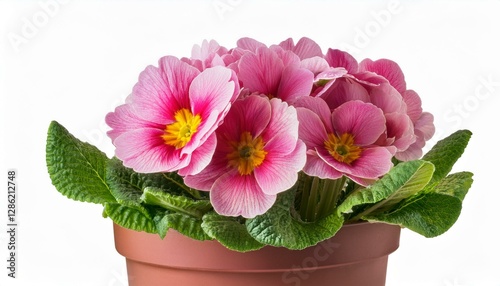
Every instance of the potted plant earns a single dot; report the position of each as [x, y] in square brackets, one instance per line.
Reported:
[272, 165]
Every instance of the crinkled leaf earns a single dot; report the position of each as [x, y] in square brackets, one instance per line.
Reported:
[401, 182]
[446, 152]
[126, 185]
[128, 217]
[429, 214]
[184, 205]
[184, 224]
[77, 169]
[456, 185]
[230, 232]
[277, 227]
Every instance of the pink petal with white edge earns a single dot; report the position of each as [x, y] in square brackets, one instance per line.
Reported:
[295, 83]
[211, 94]
[235, 195]
[145, 152]
[205, 179]
[163, 91]
[373, 163]
[388, 69]
[338, 58]
[311, 129]
[318, 106]
[364, 121]
[200, 157]
[362, 181]
[282, 132]
[251, 114]
[123, 120]
[315, 166]
[279, 172]
[213, 89]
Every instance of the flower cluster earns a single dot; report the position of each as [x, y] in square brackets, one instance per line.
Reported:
[242, 123]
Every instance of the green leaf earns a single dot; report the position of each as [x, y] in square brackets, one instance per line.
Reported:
[126, 185]
[128, 217]
[403, 181]
[446, 152]
[180, 204]
[184, 224]
[277, 227]
[429, 214]
[230, 232]
[456, 185]
[77, 169]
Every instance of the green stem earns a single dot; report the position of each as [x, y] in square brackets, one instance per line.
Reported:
[319, 197]
[304, 183]
[332, 191]
[328, 195]
[312, 202]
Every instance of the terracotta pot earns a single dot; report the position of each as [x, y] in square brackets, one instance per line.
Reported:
[356, 256]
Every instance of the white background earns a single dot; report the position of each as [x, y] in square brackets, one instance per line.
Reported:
[75, 61]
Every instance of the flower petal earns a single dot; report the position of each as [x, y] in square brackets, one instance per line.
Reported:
[145, 152]
[295, 83]
[235, 195]
[364, 121]
[338, 58]
[205, 179]
[282, 131]
[251, 114]
[388, 69]
[279, 172]
[344, 90]
[200, 157]
[373, 163]
[315, 166]
[413, 104]
[425, 124]
[249, 44]
[123, 119]
[387, 98]
[213, 89]
[211, 94]
[307, 48]
[261, 72]
[163, 91]
[311, 129]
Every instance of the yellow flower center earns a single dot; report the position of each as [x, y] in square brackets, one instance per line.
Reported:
[343, 148]
[179, 133]
[248, 153]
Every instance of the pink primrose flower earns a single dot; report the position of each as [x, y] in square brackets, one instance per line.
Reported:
[343, 142]
[168, 122]
[423, 122]
[258, 155]
[381, 83]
